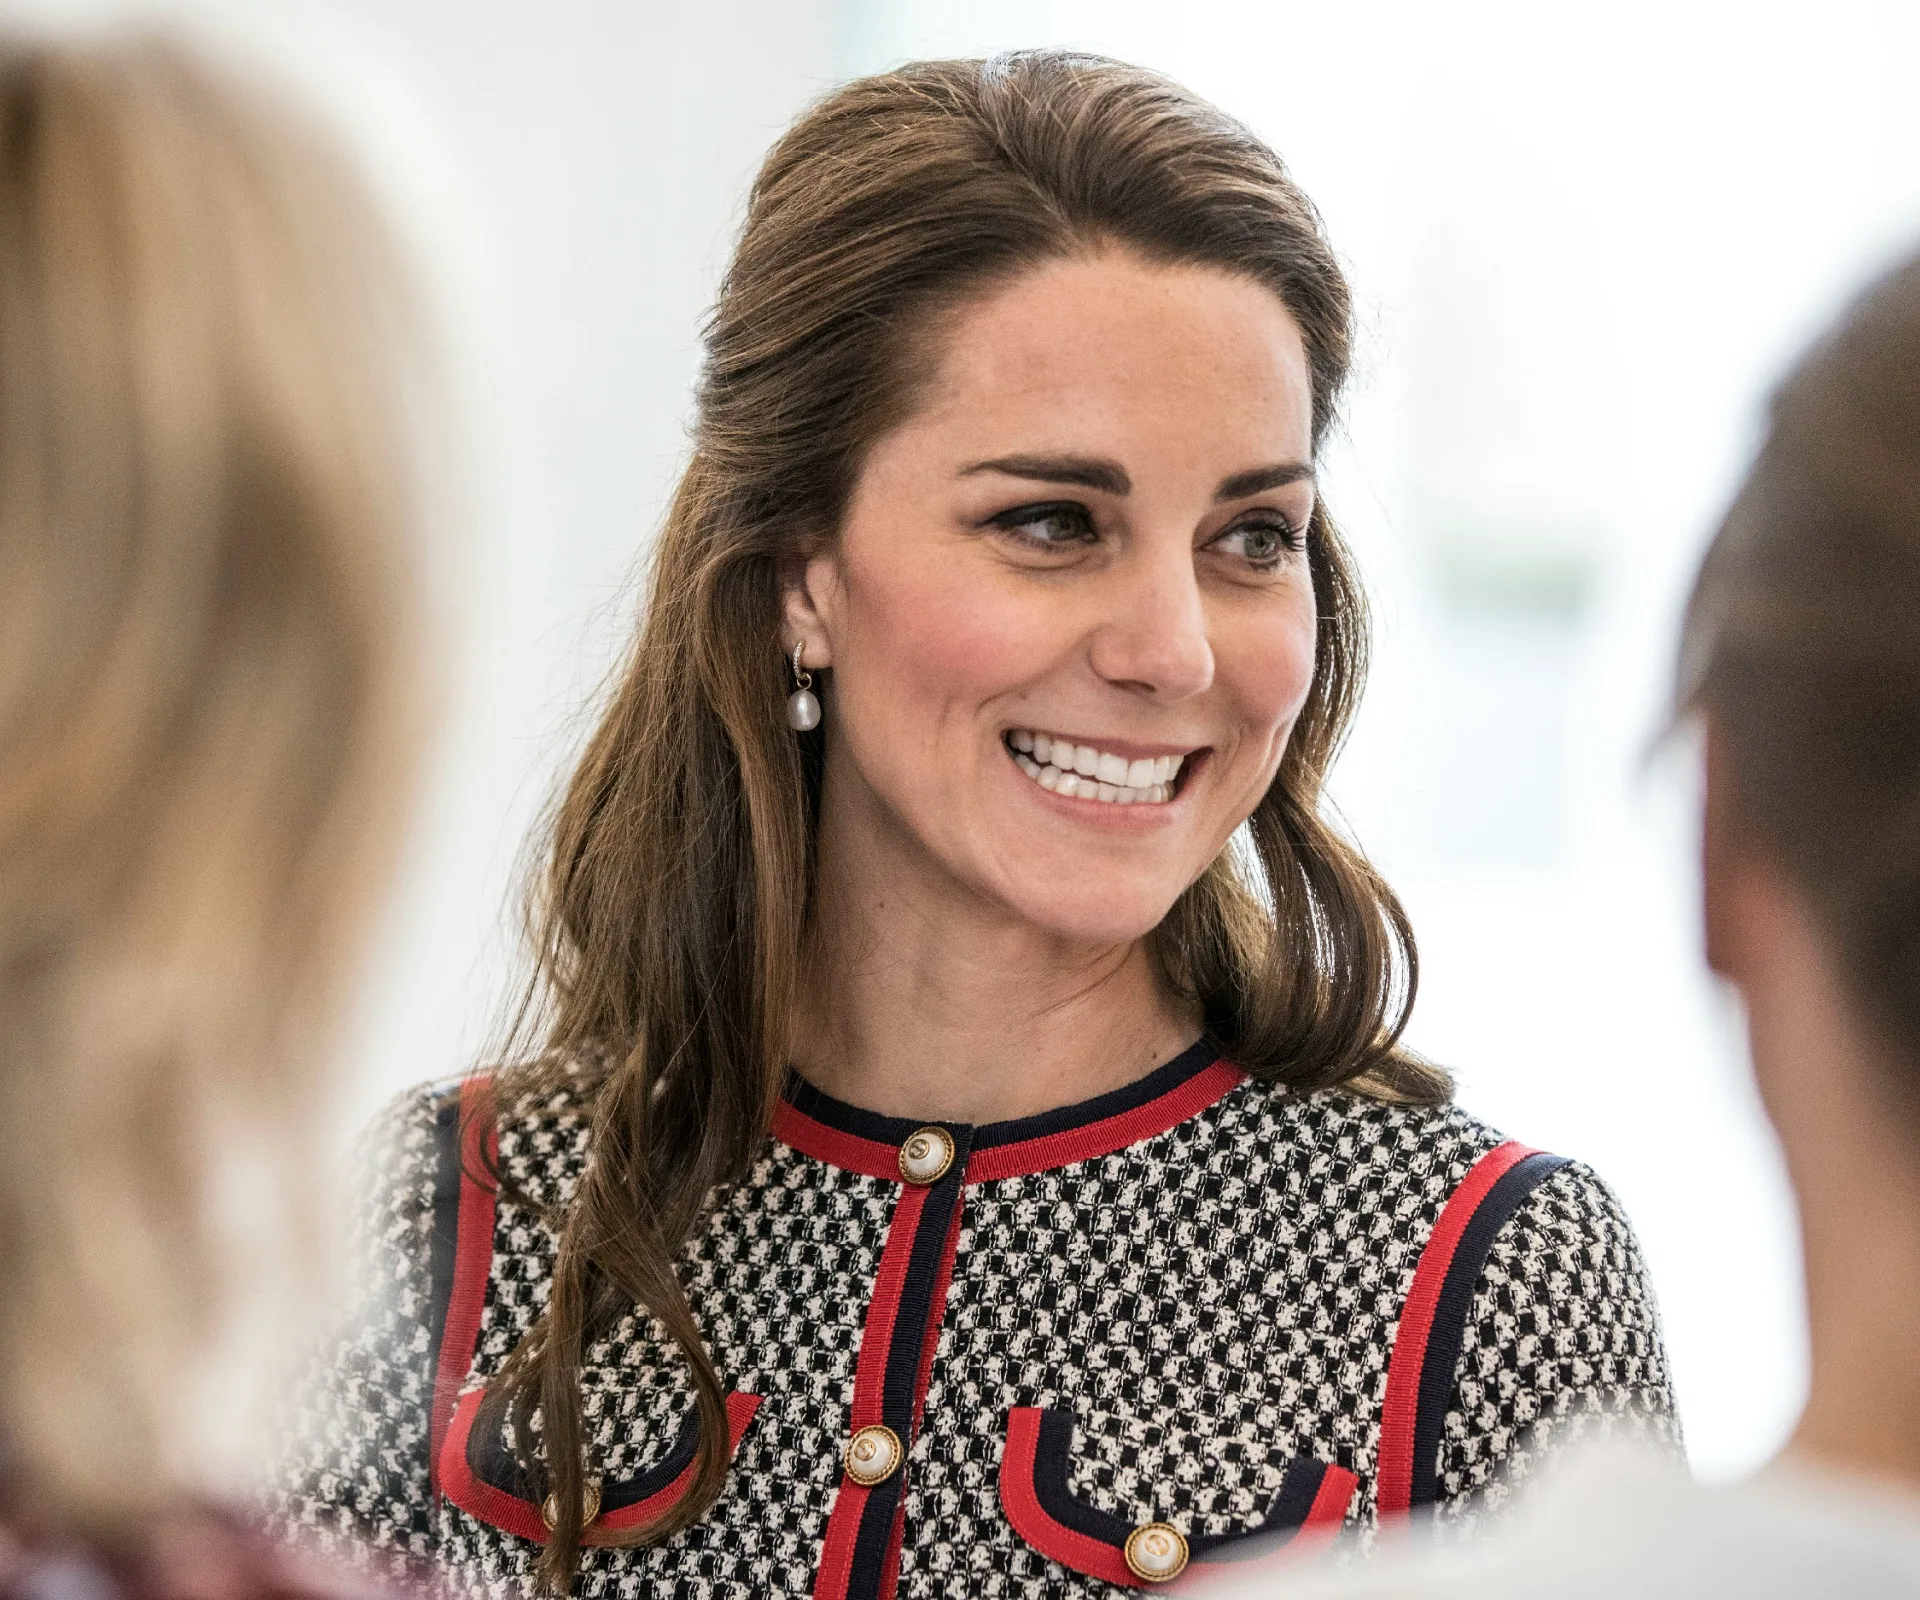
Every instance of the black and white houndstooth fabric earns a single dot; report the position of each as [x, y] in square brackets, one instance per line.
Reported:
[1176, 1307]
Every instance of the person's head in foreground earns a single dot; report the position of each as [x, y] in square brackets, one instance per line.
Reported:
[207, 717]
[998, 599]
[1800, 661]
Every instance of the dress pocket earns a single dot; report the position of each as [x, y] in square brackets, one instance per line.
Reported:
[481, 1476]
[1172, 1504]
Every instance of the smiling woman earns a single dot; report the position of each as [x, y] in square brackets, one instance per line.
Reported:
[941, 1158]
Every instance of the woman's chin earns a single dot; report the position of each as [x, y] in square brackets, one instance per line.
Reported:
[1097, 918]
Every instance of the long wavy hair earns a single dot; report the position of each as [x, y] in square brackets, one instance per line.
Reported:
[670, 918]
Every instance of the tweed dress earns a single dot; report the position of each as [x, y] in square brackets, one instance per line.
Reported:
[1200, 1321]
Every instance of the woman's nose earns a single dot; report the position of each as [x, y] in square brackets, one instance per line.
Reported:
[1154, 639]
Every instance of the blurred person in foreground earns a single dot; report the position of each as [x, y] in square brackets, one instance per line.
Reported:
[1800, 662]
[208, 714]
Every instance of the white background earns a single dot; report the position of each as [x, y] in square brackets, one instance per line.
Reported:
[1585, 238]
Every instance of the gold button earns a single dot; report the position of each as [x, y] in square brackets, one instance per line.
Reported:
[872, 1456]
[1156, 1553]
[925, 1157]
[589, 1507]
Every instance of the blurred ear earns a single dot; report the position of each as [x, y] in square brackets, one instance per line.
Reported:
[1716, 870]
[1743, 899]
[810, 592]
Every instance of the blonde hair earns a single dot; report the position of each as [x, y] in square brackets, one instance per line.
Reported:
[207, 639]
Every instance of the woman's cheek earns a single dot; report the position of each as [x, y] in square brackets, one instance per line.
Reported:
[1272, 667]
[948, 633]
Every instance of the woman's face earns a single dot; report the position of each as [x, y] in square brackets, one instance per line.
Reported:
[1069, 613]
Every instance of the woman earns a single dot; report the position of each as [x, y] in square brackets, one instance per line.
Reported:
[207, 670]
[948, 1163]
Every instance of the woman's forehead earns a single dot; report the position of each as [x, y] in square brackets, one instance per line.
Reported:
[1114, 346]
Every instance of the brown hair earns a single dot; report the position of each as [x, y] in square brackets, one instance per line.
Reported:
[1802, 646]
[672, 913]
[207, 715]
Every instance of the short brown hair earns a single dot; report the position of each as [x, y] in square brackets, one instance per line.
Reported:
[1802, 647]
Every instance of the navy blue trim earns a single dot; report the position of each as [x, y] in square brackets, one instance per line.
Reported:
[444, 1249]
[1298, 1489]
[899, 1391]
[1192, 1061]
[494, 1464]
[1053, 1457]
[1455, 1305]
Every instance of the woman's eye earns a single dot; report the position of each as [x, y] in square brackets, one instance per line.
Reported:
[1048, 527]
[1262, 544]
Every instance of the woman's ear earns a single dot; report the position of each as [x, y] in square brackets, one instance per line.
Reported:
[810, 592]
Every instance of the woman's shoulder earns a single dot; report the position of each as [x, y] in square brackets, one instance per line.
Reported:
[527, 1129]
[1351, 1132]
[1415, 1158]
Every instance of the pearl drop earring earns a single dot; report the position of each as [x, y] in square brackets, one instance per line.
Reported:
[803, 710]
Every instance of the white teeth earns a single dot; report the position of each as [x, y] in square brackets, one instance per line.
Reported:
[1082, 772]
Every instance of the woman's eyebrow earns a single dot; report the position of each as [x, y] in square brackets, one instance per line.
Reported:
[1089, 472]
[1109, 477]
[1260, 479]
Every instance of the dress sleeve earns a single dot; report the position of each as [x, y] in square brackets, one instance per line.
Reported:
[1562, 1348]
[351, 1479]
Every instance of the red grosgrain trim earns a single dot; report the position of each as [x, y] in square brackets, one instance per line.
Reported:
[473, 1259]
[835, 1576]
[472, 1493]
[1078, 1552]
[1400, 1414]
[1328, 1514]
[880, 1158]
[492, 1504]
[811, 1137]
[740, 1412]
[1109, 1134]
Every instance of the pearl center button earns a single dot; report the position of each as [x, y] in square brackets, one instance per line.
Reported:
[1156, 1552]
[872, 1455]
[925, 1157]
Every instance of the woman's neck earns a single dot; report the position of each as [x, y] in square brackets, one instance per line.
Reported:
[923, 1002]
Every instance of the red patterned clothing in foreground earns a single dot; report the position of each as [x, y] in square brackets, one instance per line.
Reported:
[1193, 1322]
[200, 1554]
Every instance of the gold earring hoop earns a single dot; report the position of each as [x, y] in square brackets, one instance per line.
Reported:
[803, 710]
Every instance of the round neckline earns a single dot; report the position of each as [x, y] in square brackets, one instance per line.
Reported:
[815, 1123]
